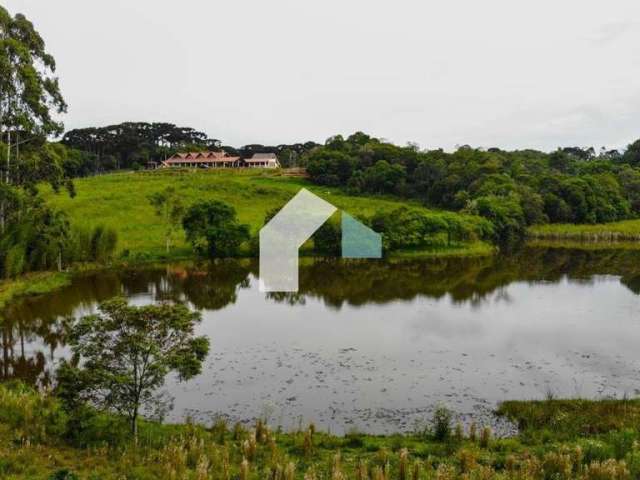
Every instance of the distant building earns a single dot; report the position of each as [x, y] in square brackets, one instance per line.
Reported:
[221, 160]
[202, 160]
[262, 160]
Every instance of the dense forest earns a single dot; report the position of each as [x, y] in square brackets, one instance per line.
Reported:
[513, 189]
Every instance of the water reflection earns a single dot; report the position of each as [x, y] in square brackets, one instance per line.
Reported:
[32, 329]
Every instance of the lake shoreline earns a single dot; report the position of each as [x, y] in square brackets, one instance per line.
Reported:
[592, 439]
[39, 283]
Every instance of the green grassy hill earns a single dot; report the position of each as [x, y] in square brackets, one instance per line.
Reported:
[120, 201]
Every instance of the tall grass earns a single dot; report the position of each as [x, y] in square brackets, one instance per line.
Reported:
[627, 230]
[34, 432]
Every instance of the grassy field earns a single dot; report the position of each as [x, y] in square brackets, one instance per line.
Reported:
[627, 230]
[121, 201]
[559, 439]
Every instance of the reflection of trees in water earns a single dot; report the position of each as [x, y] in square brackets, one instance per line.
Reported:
[290, 298]
[465, 280]
[209, 286]
[16, 362]
[39, 321]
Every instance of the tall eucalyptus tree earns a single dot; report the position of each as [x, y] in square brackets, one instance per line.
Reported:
[30, 99]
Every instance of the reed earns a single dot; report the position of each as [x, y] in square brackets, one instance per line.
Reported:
[415, 471]
[378, 473]
[310, 474]
[362, 470]
[403, 464]
[225, 465]
[202, 468]
[459, 432]
[446, 472]
[244, 469]
[608, 470]
[307, 443]
[336, 467]
[558, 466]
[239, 431]
[473, 432]
[290, 471]
[485, 437]
[468, 460]
[250, 447]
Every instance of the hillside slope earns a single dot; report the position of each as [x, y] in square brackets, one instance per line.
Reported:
[120, 201]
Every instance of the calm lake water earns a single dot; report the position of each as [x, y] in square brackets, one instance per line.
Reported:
[375, 345]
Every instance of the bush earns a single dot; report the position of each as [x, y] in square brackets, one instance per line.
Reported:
[327, 240]
[622, 442]
[442, 423]
[596, 450]
[506, 215]
[32, 416]
[213, 229]
[404, 228]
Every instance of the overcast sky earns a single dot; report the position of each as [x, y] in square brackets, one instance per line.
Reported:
[488, 73]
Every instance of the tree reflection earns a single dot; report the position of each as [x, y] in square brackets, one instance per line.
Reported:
[32, 329]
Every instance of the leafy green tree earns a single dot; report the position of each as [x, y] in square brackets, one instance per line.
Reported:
[123, 354]
[632, 154]
[40, 242]
[629, 179]
[327, 240]
[408, 228]
[384, 177]
[28, 91]
[213, 229]
[30, 98]
[28, 88]
[329, 167]
[169, 207]
[506, 215]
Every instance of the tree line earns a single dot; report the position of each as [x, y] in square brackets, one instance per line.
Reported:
[130, 145]
[513, 189]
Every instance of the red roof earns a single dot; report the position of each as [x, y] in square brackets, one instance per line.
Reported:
[201, 157]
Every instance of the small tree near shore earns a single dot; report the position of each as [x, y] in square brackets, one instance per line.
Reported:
[213, 229]
[124, 353]
[169, 207]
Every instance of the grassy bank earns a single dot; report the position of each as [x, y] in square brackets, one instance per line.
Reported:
[560, 439]
[628, 230]
[31, 284]
[120, 201]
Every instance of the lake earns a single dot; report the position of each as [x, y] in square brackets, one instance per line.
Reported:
[374, 345]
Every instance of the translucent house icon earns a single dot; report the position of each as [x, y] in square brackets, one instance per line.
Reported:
[281, 238]
[358, 240]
